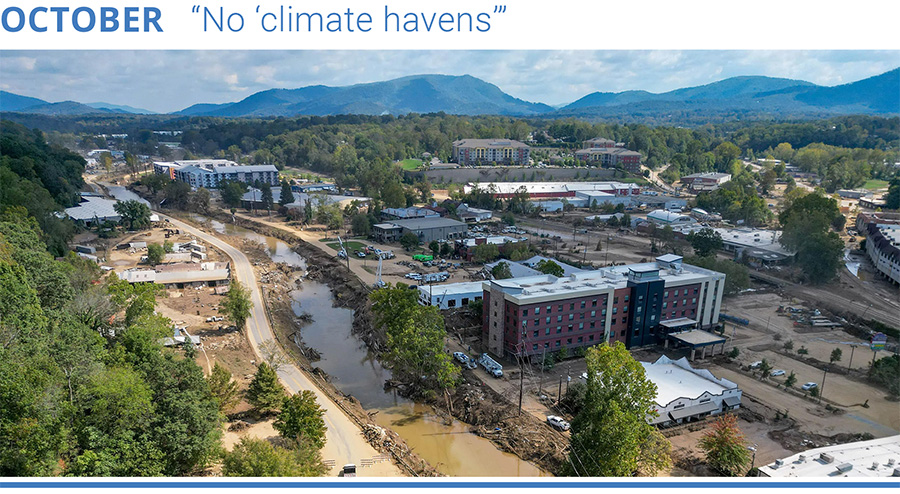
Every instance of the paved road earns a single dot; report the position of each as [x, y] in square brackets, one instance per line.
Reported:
[345, 443]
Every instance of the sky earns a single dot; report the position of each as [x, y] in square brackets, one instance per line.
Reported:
[167, 81]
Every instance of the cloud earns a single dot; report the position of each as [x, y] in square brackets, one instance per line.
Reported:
[172, 80]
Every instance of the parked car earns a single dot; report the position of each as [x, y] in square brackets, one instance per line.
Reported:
[808, 386]
[558, 423]
[756, 364]
[349, 470]
[461, 357]
[777, 372]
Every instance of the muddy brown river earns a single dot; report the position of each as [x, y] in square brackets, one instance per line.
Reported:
[452, 449]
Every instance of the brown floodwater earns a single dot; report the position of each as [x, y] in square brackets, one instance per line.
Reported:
[450, 448]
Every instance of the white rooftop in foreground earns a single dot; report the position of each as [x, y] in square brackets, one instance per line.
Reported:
[677, 379]
[856, 459]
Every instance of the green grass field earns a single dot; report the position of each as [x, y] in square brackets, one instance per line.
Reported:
[411, 164]
[875, 184]
[350, 245]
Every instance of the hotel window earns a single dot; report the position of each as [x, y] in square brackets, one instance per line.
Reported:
[548, 329]
[626, 298]
[615, 300]
[525, 313]
[559, 308]
[583, 304]
[549, 308]
[581, 325]
[570, 328]
[592, 324]
[572, 306]
[537, 311]
[571, 316]
[603, 312]
[569, 341]
[581, 339]
[548, 319]
[590, 337]
[625, 309]
[694, 300]
[558, 318]
[593, 313]
[537, 321]
[558, 329]
[535, 335]
[557, 342]
[534, 347]
[615, 310]
[594, 303]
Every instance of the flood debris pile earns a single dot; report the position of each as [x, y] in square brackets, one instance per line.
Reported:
[498, 420]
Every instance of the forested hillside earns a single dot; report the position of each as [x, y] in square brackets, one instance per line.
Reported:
[41, 178]
[84, 391]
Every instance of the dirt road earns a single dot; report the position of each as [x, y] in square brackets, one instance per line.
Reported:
[345, 443]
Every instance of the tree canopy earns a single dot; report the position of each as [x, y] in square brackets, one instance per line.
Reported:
[611, 436]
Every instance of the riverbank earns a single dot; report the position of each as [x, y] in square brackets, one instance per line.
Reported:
[276, 281]
[486, 413]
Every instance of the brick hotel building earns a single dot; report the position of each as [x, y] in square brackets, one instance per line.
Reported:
[637, 304]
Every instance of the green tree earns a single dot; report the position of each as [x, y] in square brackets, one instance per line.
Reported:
[508, 218]
[733, 354]
[806, 225]
[409, 240]
[886, 372]
[265, 393]
[223, 388]
[725, 446]
[266, 195]
[155, 254]
[199, 201]
[892, 198]
[548, 266]
[435, 248]
[232, 192]
[790, 380]
[501, 271]
[259, 458]
[237, 304]
[414, 339]
[360, 225]
[789, 345]
[836, 355]
[705, 242]
[610, 435]
[765, 368]
[301, 419]
[135, 214]
[486, 253]
[177, 195]
[287, 195]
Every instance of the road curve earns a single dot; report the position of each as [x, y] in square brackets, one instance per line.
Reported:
[345, 443]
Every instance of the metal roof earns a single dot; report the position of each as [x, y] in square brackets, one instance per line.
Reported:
[94, 207]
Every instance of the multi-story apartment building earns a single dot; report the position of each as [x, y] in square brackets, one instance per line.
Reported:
[882, 232]
[210, 173]
[637, 304]
[485, 151]
[609, 154]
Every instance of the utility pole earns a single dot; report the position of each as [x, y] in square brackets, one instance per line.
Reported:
[822, 390]
[850, 364]
[521, 380]
[559, 391]
[606, 259]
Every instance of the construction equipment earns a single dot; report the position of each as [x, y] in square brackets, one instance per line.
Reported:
[378, 281]
[343, 252]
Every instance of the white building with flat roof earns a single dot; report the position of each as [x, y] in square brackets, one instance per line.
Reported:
[92, 210]
[684, 394]
[874, 458]
[451, 296]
